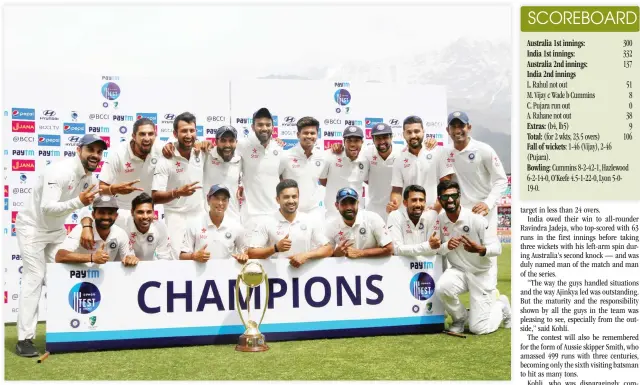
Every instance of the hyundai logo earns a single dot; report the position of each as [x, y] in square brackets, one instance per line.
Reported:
[289, 119]
[169, 116]
[393, 122]
[49, 113]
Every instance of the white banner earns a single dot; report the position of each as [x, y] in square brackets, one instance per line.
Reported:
[171, 303]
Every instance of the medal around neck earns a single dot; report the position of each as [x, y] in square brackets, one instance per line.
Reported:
[252, 275]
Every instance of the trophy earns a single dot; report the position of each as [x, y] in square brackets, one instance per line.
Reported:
[252, 275]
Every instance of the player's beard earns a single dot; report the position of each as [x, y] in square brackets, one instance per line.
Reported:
[226, 155]
[104, 224]
[349, 214]
[90, 166]
[449, 207]
[415, 214]
[415, 143]
[264, 135]
[143, 150]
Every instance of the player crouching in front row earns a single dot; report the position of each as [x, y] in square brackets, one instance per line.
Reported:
[112, 240]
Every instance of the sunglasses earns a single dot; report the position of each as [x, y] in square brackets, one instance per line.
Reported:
[445, 197]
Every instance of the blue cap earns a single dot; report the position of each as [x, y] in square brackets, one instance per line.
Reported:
[224, 129]
[90, 138]
[353, 131]
[461, 116]
[346, 192]
[217, 187]
[381, 129]
[262, 113]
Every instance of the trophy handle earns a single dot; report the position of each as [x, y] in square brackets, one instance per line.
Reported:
[266, 299]
[238, 301]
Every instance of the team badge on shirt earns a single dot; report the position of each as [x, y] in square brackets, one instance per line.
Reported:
[86, 185]
[429, 156]
[228, 235]
[421, 227]
[303, 227]
[275, 152]
[113, 245]
[361, 166]
[466, 229]
[363, 231]
[154, 160]
[318, 163]
[150, 238]
[472, 156]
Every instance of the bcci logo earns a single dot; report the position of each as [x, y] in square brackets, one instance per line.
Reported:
[84, 298]
[422, 286]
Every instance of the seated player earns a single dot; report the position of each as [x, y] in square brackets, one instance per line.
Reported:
[471, 252]
[148, 237]
[214, 234]
[357, 234]
[289, 233]
[414, 231]
[111, 245]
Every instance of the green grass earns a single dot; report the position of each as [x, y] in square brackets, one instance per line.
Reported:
[410, 357]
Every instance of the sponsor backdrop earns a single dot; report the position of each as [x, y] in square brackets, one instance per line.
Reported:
[186, 303]
[48, 115]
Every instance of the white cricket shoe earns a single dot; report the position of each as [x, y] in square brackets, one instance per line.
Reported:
[458, 326]
[506, 311]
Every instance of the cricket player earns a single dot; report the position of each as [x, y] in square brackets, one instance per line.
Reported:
[148, 237]
[304, 164]
[413, 229]
[114, 245]
[223, 166]
[126, 174]
[418, 166]
[471, 253]
[61, 188]
[289, 233]
[176, 180]
[478, 170]
[213, 234]
[261, 157]
[357, 233]
[347, 169]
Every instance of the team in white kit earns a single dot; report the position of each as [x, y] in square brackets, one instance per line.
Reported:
[253, 200]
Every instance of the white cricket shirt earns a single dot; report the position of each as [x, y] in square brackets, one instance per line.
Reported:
[474, 226]
[380, 174]
[56, 195]
[221, 241]
[260, 174]
[117, 243]
[152, 245]
[217, 171]
[424, 170]
[303, 233]
[340, 172]
[368, 231]
[124, 166]
[412, 240]
[479, 172]
[305, 171]
[176, 172]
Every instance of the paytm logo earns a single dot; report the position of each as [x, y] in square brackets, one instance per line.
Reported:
[23, 114]
[421, 265]
[48, 140]
[341, 84]
[84, 274]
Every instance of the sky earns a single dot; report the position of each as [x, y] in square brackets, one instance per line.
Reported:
[232, 41]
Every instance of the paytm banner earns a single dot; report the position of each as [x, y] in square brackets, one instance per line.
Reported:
[173, 303]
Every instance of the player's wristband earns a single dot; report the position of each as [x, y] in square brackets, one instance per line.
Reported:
[83, 226]
[275, 247]
[91, 258]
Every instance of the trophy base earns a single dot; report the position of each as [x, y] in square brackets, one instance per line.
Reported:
[252, 344]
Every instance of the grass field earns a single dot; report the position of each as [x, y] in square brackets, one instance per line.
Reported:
[410, 357]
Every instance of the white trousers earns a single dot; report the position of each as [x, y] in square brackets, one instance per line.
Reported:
[177, 226]
[485, 312]
[36, 249]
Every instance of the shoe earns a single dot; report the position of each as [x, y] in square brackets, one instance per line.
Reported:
[506, 311]
[25, 348]
[458, 326]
